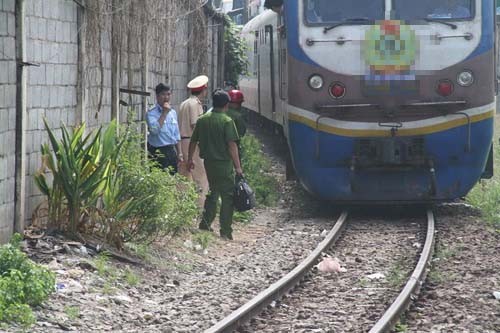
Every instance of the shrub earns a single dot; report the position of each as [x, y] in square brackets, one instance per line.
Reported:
[170, 203]
[256, 167]
[22, 284]
[103, 185]
[486, 196]
[79, 166]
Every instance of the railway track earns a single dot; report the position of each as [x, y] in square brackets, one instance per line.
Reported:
[301, 276]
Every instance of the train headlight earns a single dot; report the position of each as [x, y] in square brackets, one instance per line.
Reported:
[316, 82]
[465, 78]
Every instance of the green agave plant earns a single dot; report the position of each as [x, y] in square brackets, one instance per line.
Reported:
[80, 166]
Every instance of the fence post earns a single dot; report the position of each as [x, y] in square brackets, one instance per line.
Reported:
[20, 145]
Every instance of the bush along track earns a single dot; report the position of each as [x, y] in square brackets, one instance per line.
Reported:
[256, 167]
[103, 186]
[22, 284]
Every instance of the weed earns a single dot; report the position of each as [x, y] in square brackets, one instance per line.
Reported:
[486, 194]
[256, 167]
[435, 276]
[400, 327]
[72, 312]
[142, 250]
[101, 264]
[363, 282]
[108, 289]
[204, 238]
[243, 217]
[131, 277]
[445, 253]
[397, 274]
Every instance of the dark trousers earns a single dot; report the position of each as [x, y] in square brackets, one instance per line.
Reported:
[166, 157]
[220, 176]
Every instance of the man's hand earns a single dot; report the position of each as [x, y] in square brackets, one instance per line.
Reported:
[239, 172]
[190, 165]
[166, 107]
[180, 159]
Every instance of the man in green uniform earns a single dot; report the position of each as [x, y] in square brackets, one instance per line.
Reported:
[216, 135]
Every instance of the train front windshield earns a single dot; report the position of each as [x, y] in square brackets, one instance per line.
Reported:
[331, 11]
[433, 9]
[328, 11]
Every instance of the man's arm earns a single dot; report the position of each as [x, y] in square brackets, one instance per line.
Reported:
[180, 157]
[233, 151]
[192, 148]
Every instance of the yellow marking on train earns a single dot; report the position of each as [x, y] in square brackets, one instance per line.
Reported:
[385, 132]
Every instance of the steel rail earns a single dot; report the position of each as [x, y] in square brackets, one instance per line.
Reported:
[279, 288]
[392, 315]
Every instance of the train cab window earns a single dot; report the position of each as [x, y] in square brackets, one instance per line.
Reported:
[411, 10]
[328, 11]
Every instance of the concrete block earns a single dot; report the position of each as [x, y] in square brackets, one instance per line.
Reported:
[10, 95]
[56, 74]
[3, 166]
[11, 25]
[3, 24]
[12, 119]
[9, 47]
[51, 30]
[11, 151]
[42, 28]
[47, 9]
[2, 101]
[60, 96]
[38, 50]
[11, 68]
[38, 8]
[65, 32]
[9, 5]
[45, 97]
[52, 91]
[4, 78]
[49, 74]
[4, 121]
[59, 31]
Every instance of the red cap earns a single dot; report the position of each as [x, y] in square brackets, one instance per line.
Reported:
[236, 96]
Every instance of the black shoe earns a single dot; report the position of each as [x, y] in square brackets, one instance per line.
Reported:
[226, 237]
[204, 226]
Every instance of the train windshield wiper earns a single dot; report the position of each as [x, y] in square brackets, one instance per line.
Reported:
[430, 19]
[350, 21]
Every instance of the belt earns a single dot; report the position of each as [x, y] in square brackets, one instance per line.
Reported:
[185, 137]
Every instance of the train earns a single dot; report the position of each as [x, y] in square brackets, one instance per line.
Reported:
[379, 101]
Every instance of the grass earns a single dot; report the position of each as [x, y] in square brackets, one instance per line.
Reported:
[131, 277]
[72, 312]
[204, 238]
[397, 274]
[486, 194]
[400, 327]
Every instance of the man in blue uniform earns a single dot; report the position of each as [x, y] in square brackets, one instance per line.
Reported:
[164, 138]
[216, 135]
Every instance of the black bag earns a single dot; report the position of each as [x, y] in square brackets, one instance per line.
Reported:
[244, 197]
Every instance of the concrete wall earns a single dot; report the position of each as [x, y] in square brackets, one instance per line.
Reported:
[7, 117]
[51, 35]
[51, 28]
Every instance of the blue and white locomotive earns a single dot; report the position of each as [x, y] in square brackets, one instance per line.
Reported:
[380, 100]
